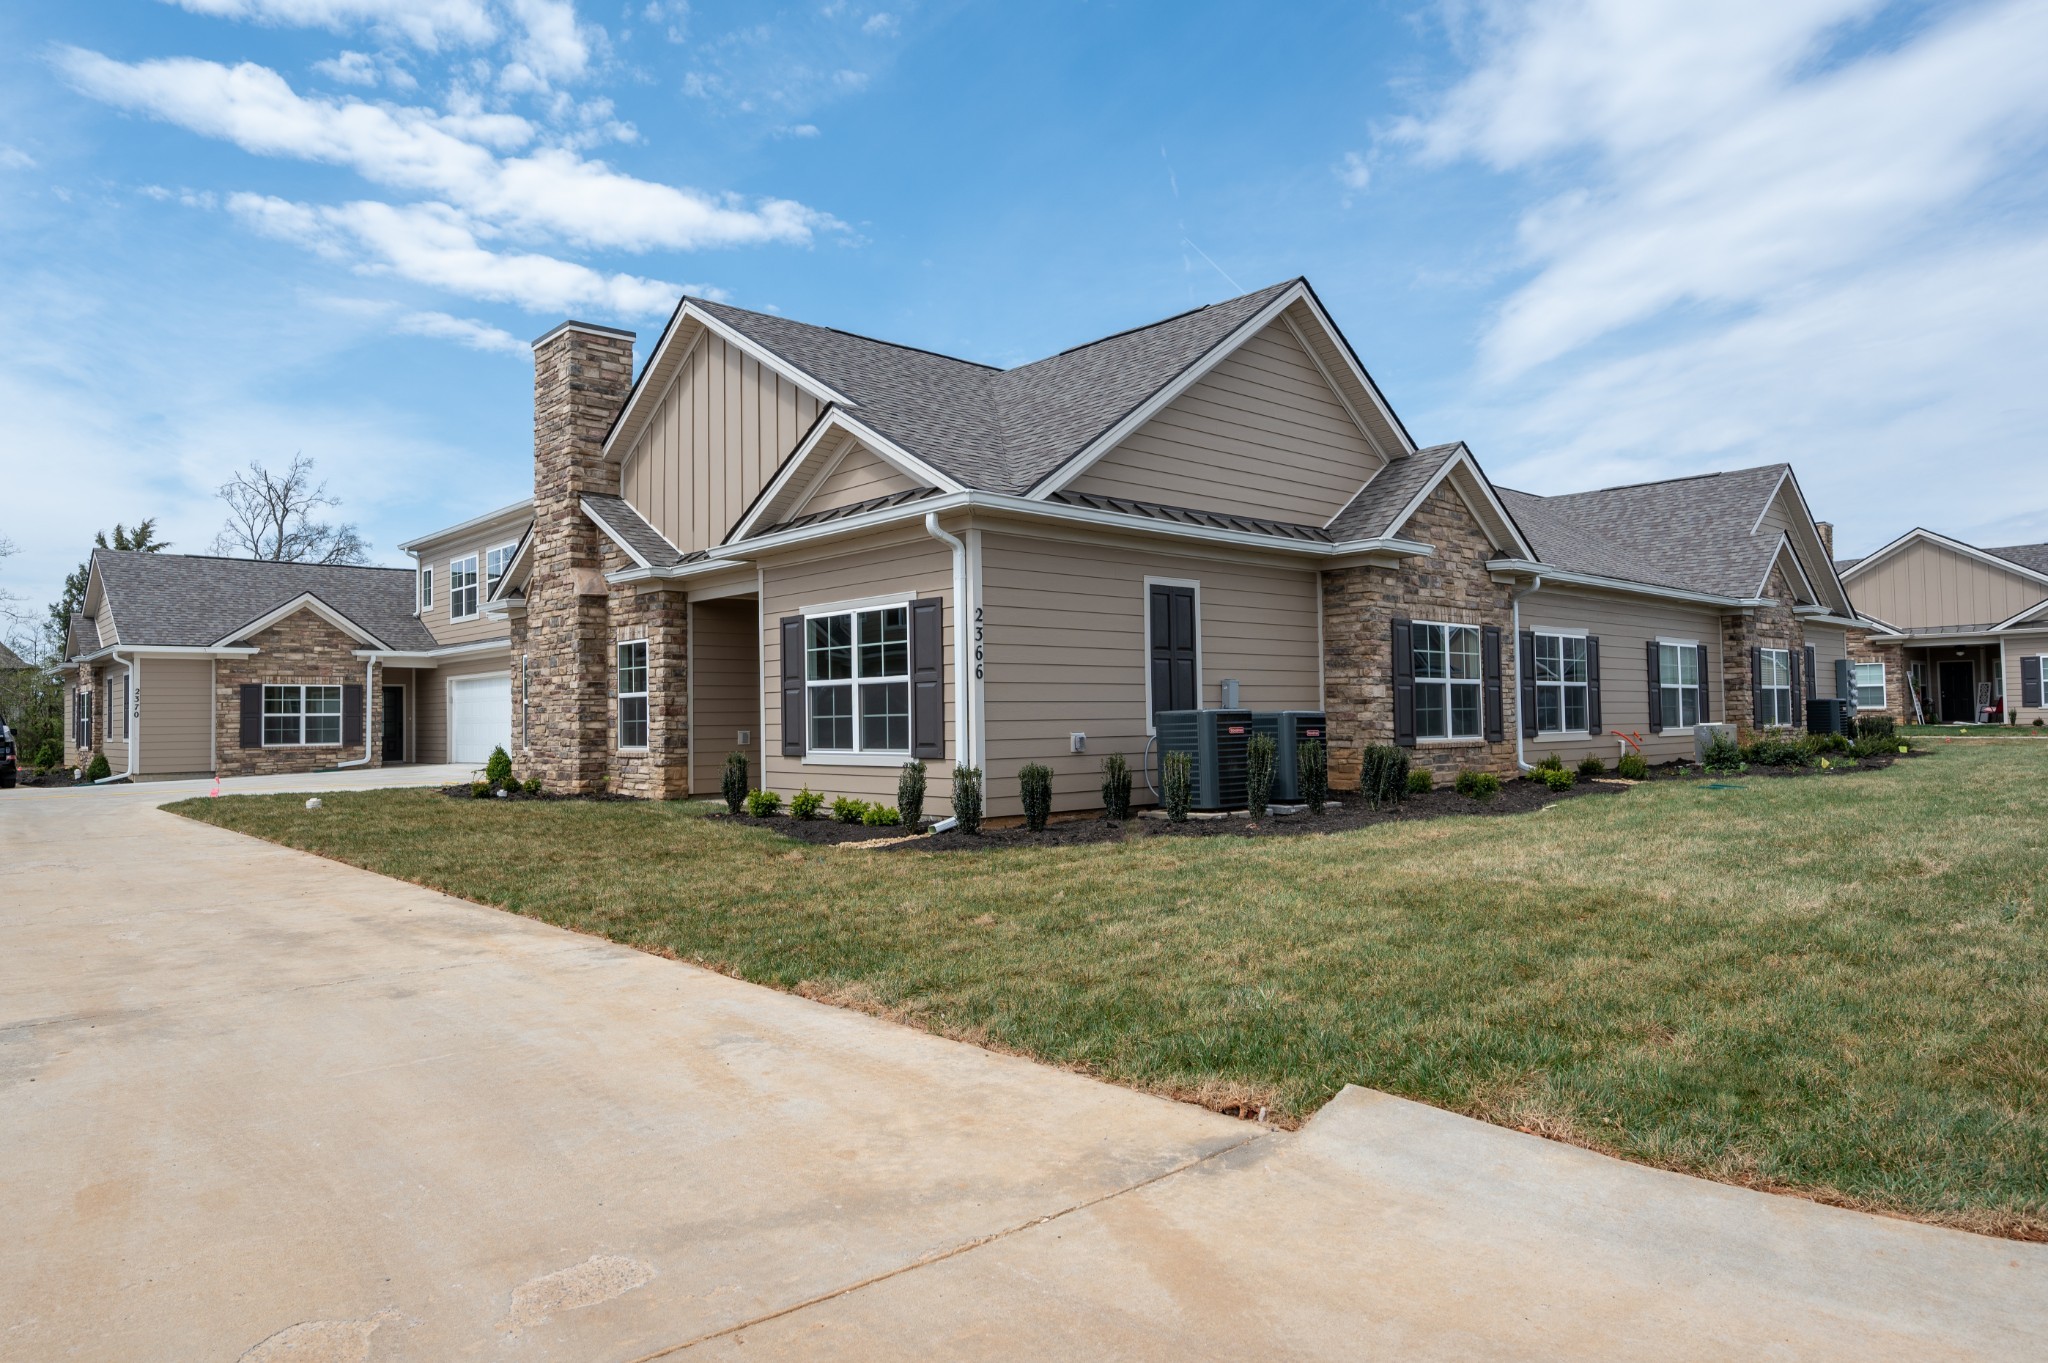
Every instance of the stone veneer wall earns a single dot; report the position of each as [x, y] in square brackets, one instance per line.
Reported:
[86, 678]
[301, 649]
[581, 376]
[1772, 626]
[1359, 608]
[1865, 647]
[660, 615]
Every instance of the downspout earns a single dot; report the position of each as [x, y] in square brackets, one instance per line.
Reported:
[127, 720]
[1515, 603]
[369, 689]
[963, 715]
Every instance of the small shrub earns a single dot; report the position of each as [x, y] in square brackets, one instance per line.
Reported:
[97, 769]
[848, 810]
[1383, 776]
[1177, 780]
[531, 785]
[805, 804]
[1632, 767]
[51, 755]
[1477, 785]
[1034, 784]
[967, 798]
[498, 767]
[1116, 788]
[1421, 781]
[735, 782]
[1313, 759]
[1590, 767]
[1724, 754]
[1880, 726]
[2037, 724]
[881, 816]
[762, 803]
[910, 793]
[479, 790]
[1829, 742]
[1557, 778]
[1258, 773]
[1551, 763]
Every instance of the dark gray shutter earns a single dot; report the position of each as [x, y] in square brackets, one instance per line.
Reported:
[1704, 687]
[927, 678]
[1404, 685]
[1756, 687]
[1174, 641]
[127, 705]
[793, 733]
[2030, 680]
[351, 716]
[1593, 686]
[252, 715]
[1802, 668]
[1489, 670]
[1845, 679]
[1812, 689]
[1525, 683]
[1656, 688]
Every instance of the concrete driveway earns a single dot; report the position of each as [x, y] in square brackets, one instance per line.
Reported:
[260, 1106]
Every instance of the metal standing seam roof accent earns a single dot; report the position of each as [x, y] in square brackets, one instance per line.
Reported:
[1185, 515]
[840, 513]
[190, 601]
[617, 516]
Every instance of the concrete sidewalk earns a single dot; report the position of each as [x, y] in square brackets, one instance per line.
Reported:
[262, 1106]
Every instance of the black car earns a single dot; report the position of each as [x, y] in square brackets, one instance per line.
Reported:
[8, 770]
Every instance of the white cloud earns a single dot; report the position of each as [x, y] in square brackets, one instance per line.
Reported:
[14, 158]
[543, 37]
[880, 23]
[462, 330]
[350, 68]
[1722, 171]
[550, 191]
[1353, 173]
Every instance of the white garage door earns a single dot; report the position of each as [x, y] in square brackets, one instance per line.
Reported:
[479, 717]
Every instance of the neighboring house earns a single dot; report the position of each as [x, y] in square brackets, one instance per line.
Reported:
[10, 661]
[185, 665]
[1960, 630]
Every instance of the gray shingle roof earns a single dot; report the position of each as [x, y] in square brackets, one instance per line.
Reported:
[2034, 556]
[183, 600]
[10, 661]
[998, 430]
[618, 515]
[1693, 534]
[1370, 514]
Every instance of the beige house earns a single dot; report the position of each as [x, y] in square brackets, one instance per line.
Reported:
[1958, 634]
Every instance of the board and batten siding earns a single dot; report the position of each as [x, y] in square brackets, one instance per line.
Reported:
[430, 701]
[1925, 585]
[1261, 434]
[177, 716]
[909, 564]
[715, 439]
[1625, 625]
[725, 689]
[1067, 653]
[437, 554]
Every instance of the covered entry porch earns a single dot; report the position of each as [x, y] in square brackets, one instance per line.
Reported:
[1955, 680]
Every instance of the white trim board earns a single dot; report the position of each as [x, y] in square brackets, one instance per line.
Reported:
[1943, 541]
[1462, 459]
[834, 419]
[1145, 641]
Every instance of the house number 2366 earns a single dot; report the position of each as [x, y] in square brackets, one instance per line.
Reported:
[979, 635]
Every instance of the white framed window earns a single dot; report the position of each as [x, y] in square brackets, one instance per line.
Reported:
[426, 586]
[1678, 680]
[1561, 673]
[1448, 703]
[462, 588]
[495, 562]
[633, 694]
[1774, 688]
[857, 679]
[301, 716]
[1870, 686]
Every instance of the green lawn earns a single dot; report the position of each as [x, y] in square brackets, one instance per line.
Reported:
[1974, 731]
[1836, 984]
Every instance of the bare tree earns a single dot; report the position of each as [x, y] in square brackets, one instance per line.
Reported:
[271, 516]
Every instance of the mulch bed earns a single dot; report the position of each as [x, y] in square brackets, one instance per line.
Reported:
[1516, 797]
[1838, 765]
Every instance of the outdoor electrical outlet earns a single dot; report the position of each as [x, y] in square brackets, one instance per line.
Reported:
[1080, 742]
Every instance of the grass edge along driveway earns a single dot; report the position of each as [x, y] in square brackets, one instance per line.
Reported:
[1836, 986]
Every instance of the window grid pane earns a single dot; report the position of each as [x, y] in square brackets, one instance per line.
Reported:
[885, 716]
[1549, 660]
[828, 648]
[1464, 651]
[832, 718]
[1464, 709]
[1431, 710]
[885, 642]
[1574, 659]
[1549, 709]
[1429, 651]
[1575, 708]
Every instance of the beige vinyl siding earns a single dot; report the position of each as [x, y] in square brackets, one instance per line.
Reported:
[1830, 645]
[113, 716]
[1624, 626]
[1925, 585]
[715, 439]
[890, 563]
[861, 474]
[177, 716]
[725, 689]
[437, 554]
[2018, 646]
[1067, 653]
[1261, 434]
[430, 702]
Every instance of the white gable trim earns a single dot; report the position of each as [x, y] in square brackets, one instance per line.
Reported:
[1806, 515]
[1783, 551]
[1357, 370]
[1943, 541]
[631, 420]
[303, 601]
[835, 420]
[1463, 458]
[516, 571]
[2013, 622]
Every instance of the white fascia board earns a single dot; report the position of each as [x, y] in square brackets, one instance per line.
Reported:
[1785, 550]
[2014, 621]
[837, 420]
[612, 534]
[473, 523]
[168, 651]
[694, 568]
[434, 654]
[1076, 465]
[1343, 348]
[514, 574]
[1463, 458]
[1806, 513]
[305, 601]
[1551, 574]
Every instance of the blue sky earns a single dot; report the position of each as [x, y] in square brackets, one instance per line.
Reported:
[1601, 240]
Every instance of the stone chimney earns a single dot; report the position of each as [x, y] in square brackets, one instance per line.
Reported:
[1827, 536]
[581, 375]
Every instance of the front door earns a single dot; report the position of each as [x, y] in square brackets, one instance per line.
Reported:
[1958, 691]
[394, 724]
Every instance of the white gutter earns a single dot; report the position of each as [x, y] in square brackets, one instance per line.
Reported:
[369, 689]
[963, 713]
[1559, 577]
[133, 664]
[428, 655]
[1515, 606]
